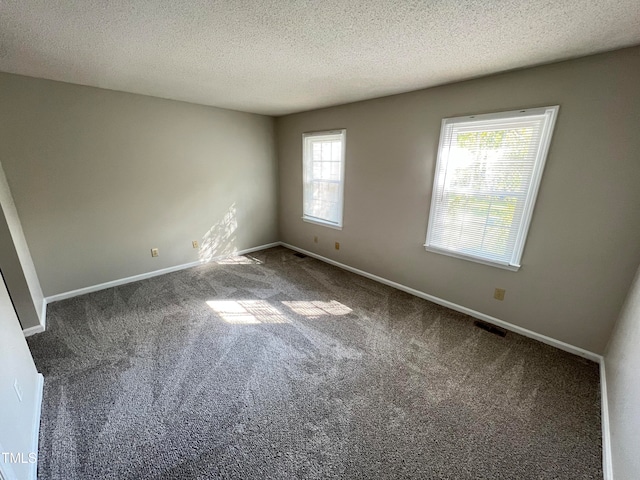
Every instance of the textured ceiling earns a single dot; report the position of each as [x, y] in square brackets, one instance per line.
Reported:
[282, 56]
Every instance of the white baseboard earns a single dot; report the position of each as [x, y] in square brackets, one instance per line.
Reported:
[607, 465]
[459, 308]
[35, 434]
[251, 250]
[143, 276]
[43, 322]
[33, 330]
[43, 314]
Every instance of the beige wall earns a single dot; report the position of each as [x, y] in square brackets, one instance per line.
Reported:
[584, 240]
[17, 418]
[100, 177]
[622, 363]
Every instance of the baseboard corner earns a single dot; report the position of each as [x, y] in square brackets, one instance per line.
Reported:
[33, 330]
[253, 249]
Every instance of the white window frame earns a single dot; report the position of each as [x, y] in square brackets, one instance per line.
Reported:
[306, 169]
[514, 264]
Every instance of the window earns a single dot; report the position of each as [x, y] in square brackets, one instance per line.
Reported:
[323, 177]
[487, 176]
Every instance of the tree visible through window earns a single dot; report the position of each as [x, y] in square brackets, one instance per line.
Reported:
[487, 176]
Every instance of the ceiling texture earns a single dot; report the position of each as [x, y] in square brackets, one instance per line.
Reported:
[281, 56]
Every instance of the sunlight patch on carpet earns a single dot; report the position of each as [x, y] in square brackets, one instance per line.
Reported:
[246, 311]
[316, 309]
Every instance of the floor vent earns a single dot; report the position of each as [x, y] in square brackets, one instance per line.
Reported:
[490, 328]
[300, 255]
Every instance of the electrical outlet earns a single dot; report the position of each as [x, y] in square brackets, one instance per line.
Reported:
[154, 252]
[195, 244]
[315, 239]
[337, 245]
[17, 388]
[498, 294]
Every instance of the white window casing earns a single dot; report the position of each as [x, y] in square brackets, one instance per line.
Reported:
[323, 162]
[487, 177]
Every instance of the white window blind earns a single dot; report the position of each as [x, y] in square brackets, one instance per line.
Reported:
[487, 176]
[323, 177]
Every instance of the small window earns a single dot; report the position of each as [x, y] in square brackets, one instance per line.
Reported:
[323, 177]
[487, 176]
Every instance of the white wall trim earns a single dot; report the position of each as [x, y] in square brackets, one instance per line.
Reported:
[43, 314]
[43, 322]
[607, 465]
[35, 434]
[459, 308]
[120, 281]
[33, 330]
[143, 276]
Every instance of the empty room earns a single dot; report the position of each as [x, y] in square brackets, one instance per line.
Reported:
[315, 240]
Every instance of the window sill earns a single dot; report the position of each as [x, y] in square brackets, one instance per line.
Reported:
[504, 266]
[323, 223]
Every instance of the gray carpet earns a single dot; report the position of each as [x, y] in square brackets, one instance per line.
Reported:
[274, 366]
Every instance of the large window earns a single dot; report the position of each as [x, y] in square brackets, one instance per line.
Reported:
[323, 177]
[487, 176]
